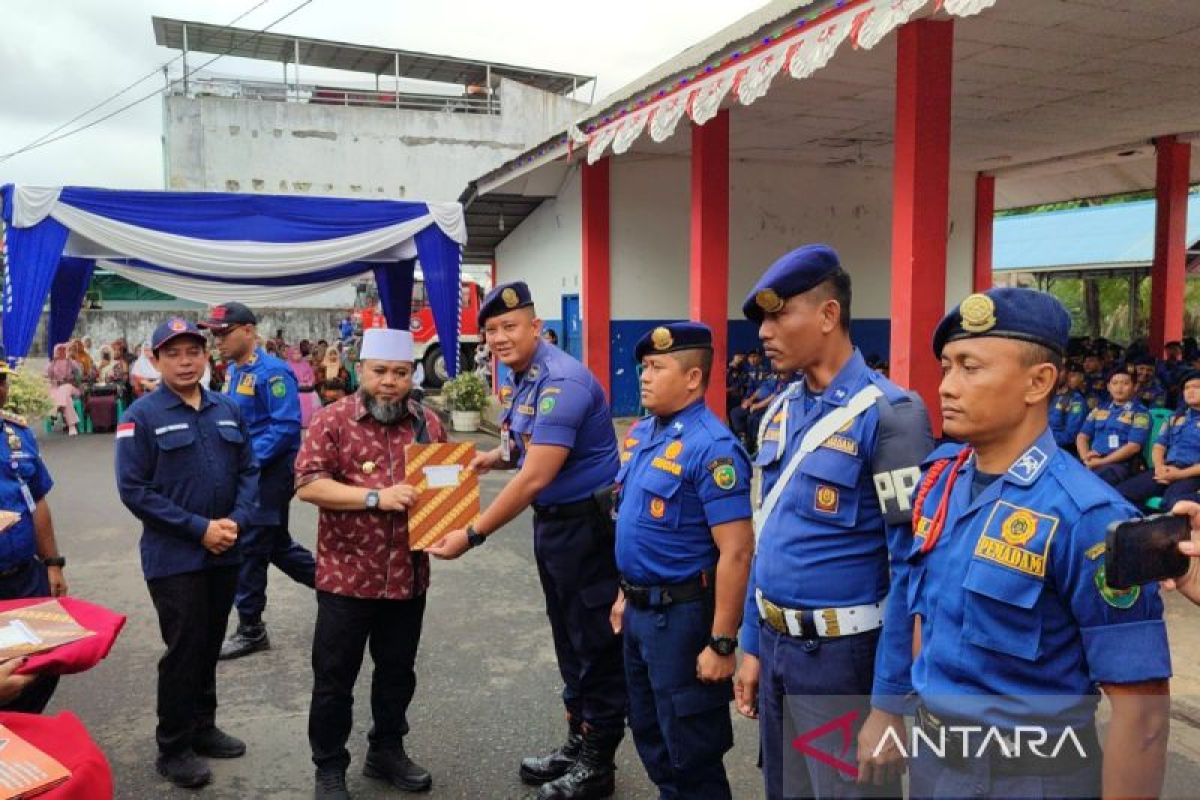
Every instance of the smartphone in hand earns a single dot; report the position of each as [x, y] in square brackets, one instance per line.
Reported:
[1146, 550]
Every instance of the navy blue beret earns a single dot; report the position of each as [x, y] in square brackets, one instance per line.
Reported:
[504, 298]
[795, 273]
[173, 329]
[1009, 313]
[673, 337]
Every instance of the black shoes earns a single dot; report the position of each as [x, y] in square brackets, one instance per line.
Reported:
[395, 767]
[536, 770]
[184, 769]
[215, 743]
[330, 785]
[593, 775]
[246, 640]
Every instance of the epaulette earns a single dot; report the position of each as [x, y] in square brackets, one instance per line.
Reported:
[1079, 485]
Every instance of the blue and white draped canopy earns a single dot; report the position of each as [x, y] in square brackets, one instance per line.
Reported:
[212, 247]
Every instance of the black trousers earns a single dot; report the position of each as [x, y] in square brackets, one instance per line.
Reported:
[346, 626]
[192, 611]
[576, 562]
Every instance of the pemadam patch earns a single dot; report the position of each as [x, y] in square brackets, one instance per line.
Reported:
[1018, 538]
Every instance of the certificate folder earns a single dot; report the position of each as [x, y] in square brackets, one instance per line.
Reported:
[449, 492]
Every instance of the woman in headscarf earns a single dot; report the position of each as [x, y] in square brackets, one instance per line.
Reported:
[64, 377]
[306, 379]
[143, 375]
[87, 367]
[332, 378]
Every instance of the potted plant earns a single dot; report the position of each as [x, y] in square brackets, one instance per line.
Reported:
[466, 397]
[28, 395]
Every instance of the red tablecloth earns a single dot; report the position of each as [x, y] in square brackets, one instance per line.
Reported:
[63, 737]
[76, 656]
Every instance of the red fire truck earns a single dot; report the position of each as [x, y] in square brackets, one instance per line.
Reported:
[427, 348]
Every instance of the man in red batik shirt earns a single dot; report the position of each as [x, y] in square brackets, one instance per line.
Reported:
[370, 586]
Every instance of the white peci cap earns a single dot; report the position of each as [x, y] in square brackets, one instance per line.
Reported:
[386, 344]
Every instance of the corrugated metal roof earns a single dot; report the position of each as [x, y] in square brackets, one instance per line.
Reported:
[1118, 234]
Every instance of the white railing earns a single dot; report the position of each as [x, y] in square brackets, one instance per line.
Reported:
[317, 94]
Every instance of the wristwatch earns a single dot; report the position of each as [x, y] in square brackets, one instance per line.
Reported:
[723, 645]
[372, 500]
[55, 561]
[474, 537]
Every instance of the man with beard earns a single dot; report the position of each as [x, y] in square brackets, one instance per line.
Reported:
[839, 456]
[370, 586]
[266, 392]
[186, 469]
[556, 429]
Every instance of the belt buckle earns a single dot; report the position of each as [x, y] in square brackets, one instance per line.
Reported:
[773, 614]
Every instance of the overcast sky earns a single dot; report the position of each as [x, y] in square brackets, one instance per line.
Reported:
[58, 57]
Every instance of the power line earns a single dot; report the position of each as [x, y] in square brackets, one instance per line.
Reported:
[152, 73]
[51, 140]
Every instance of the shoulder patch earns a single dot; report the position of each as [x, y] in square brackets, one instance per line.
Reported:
[723, 473]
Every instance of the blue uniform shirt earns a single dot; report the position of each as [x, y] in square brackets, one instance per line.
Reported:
[1151, 395]
[1181, 437]
[680, 477]
[839, 534]
[1095, 389]
[556, 401]
[24, 481]
[1110, 426]
[180, 467]
[1067, 413]
[1013, 601]
[266, 392]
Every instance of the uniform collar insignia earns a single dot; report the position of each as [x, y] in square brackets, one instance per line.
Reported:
[1027, 467]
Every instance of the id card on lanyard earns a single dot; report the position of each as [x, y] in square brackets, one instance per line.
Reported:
[505, 444]
[27, 495]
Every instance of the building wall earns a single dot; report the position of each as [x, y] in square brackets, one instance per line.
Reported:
[774, 207]
[231, 145]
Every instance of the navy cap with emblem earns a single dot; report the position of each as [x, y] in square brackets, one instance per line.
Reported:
[672, 338]
[227, 315]
[504, 298]
[1190, 375]
[1009, 313]
[173, 328]
[795, 273]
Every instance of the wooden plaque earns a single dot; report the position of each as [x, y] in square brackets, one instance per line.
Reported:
[440, 508]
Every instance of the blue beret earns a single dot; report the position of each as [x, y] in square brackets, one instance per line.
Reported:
[504, 298]
[173, 329]
[795, 273]
[1024, 314]
[672, 338]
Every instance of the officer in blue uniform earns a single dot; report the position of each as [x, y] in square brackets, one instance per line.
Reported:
[556, 431]
[30, 563]
[1095, 381]
[266, 392]
[1112, 437]
[839, 456]
[1068, 410]
[186, 469]
[684, 542]
[1017, 625]
[1176, 455]
[1147, 388]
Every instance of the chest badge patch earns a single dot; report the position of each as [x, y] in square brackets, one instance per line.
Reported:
[1018, 538]
[1018, 528]
[826, 499]
[673, 449]
[246, 384]
[658, 507]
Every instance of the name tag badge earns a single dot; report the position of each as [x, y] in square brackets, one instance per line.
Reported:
[505, 444]
[1114, 441]
[28, 495]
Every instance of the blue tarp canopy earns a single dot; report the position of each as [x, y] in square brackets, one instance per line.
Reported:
[214, 246]
[1096, 237]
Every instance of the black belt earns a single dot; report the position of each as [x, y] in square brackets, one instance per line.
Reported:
[1022, 759]
[304, 389]
[581, 508]
[667, 594]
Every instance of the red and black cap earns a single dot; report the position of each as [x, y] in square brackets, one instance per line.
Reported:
[228, 315]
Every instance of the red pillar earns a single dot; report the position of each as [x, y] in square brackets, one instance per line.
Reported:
[920, 202]
[985, 214]
[1168, 274]
[597, 311]
[708, 273]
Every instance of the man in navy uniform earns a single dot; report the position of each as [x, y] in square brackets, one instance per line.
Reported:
[1017, 624]
[265, 390]
[186, 469]
[1069, 409]
[30, 562]
[1095, 381]
[1176, 455]
[1112, 437]
[1147, 388]
[556, 430]
[839, 456]
[684, 542]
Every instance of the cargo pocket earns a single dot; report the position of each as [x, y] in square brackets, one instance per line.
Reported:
[702, 730]
[589, 628]
[999, 611]
[659, 498]
[828, 488]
